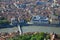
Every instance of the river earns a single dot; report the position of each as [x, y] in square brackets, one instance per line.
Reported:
[33, 29]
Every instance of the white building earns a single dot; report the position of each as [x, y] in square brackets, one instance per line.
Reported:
[40, 19]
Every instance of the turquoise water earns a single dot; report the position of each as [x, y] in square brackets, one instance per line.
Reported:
[41, 29]
[33, 29]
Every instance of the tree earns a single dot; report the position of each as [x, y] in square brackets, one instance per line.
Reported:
[2, 18]
[4, 22]
[48, 37]
[40, 38]
[33, 38]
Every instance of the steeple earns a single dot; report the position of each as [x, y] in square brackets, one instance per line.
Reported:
[54, 2]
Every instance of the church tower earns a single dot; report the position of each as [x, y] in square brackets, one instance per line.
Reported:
[54, 1]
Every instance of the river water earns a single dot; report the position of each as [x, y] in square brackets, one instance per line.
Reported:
[33, 29]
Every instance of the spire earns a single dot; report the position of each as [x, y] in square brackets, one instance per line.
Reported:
[54, 1]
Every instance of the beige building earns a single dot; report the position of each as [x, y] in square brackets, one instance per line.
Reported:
[54, 19]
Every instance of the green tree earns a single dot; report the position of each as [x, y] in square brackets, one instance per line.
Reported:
[48, 37]
[2, 18]
[33, 38]
[40, 38]
[4, 22]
